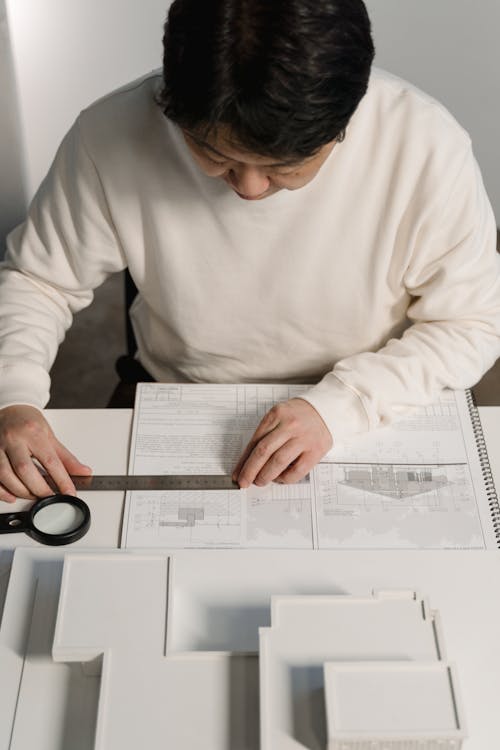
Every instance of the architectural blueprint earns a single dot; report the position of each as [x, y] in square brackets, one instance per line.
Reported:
[418, 483]
[371, 505]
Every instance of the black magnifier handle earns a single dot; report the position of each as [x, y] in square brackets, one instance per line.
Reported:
[13, 523]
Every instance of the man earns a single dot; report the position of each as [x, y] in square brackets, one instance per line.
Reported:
[285, 215]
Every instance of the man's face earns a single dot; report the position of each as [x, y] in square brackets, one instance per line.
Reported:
[251, 176]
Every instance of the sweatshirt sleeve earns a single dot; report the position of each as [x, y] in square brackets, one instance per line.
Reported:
[66, 247]
[452, 274]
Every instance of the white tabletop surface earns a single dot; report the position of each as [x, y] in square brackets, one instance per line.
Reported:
[100, 438]
[462, 585]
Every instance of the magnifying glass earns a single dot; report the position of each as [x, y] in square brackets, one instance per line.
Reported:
[55, 520]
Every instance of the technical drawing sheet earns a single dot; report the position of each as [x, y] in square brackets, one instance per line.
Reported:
[202, 429]
[421, 483]
[417, 484]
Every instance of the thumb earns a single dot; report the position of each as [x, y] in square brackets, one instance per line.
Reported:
[70, 461]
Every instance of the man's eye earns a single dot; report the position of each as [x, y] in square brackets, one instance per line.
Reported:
[288, 169]
[214, 161]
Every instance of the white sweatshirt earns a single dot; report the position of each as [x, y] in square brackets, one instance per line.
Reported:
[378, 282]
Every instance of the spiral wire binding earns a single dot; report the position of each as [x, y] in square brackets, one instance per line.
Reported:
[484, 461]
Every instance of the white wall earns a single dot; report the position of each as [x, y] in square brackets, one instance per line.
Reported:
[66, 53]
[451, 49]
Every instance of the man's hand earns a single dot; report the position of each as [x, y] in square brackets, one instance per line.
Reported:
[25, 434]
[289, 441]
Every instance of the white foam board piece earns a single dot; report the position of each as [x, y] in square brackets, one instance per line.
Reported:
[307, 631]
[394, 703]
[52, 705]
[220, 603]
[360, 625]
[42, 704]
[113, 614]
[118, 601]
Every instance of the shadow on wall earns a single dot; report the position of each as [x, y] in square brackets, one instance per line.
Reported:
[13, 201]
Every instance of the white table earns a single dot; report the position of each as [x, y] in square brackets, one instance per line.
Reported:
[463, 585]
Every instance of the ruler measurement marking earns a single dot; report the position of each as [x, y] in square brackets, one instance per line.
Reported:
[105, 482]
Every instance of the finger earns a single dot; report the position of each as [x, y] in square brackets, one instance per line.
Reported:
[9, 482]
[71, 462]
[260, 455]
[241, 462]
[24, 468]
[298, 469]
[278, 463]
[6, 496]
[58, 473]
[268, 424]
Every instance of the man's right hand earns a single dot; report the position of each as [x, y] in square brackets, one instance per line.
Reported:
[25, 434]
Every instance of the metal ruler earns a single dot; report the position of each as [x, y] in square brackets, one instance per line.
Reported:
[110, 482]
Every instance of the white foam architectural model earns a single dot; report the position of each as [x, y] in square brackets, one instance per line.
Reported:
[374, 664]
[391, 705]
[335, 672]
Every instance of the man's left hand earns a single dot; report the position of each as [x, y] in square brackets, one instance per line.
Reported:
[290, 439]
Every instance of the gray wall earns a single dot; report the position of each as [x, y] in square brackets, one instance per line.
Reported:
[12, 179]
[56, 56]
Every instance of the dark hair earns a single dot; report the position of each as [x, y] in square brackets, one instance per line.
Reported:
[284, 75]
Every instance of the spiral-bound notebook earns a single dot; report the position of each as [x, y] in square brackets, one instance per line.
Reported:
[422, 483]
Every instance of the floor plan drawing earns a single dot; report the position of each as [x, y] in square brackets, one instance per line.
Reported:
[273, 516]
[365, 505]
[394, 481]
[184, 519]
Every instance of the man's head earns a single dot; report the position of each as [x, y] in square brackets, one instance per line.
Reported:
[279, 79]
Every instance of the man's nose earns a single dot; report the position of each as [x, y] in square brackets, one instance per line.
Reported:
[249, 181]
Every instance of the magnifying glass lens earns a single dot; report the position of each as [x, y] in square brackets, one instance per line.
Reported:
[58, 518]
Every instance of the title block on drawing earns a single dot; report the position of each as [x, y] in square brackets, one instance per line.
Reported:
[392, 706]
